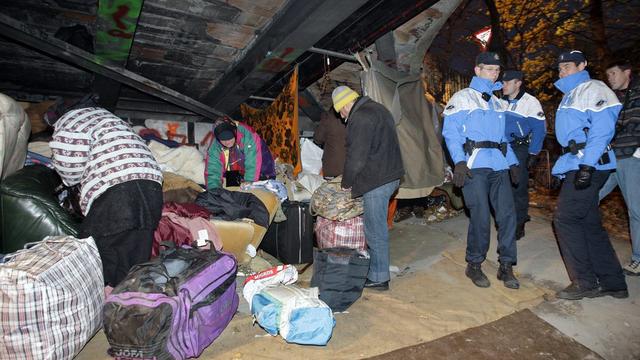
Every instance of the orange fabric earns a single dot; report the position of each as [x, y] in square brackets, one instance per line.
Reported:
[393, 205]
[172, 132]
[278, 124]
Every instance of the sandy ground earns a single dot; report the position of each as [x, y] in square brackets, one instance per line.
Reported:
[430, 297]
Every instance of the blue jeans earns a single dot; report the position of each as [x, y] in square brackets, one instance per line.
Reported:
[376, 209]
[627, 176]
[490, 188]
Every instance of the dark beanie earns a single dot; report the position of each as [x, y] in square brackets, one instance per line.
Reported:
[225, 131]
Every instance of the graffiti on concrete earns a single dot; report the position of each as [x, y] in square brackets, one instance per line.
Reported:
[117, 21]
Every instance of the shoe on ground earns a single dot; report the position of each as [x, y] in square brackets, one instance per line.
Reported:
[618, 294]
[519, 231]
[505, 274]
[474, 272]
[377, 285]
[418, 211]
[575, 292]
[402, 213]
[632, 269]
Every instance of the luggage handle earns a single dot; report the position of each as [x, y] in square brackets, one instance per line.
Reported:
[44, 242]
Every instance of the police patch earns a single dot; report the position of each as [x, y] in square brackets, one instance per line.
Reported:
[450, 107]
[601, 102]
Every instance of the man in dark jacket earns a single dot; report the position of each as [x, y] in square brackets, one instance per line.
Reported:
[372, 169]
[626, 145]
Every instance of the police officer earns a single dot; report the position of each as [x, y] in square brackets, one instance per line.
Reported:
[474, 133]
[585, 124]
[525, 130]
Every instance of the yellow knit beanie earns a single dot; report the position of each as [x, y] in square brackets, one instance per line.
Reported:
[341, 96]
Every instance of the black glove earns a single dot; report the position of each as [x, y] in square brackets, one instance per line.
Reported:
[514, 172]
[532, 161]
[460, 172]
[583, 177]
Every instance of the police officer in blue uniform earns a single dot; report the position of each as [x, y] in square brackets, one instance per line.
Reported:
[525, 130]
[585, 124]
[474, 131]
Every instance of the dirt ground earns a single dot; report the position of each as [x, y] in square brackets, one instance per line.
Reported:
[430, 297]
[613, 209]
[503, 338]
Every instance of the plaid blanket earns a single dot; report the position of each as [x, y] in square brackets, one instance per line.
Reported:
[51, 297]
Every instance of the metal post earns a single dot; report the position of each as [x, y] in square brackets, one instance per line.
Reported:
[333, 54]
[253, 97]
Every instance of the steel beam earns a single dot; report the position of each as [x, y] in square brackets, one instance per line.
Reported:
[333, 54]
[49, 45]
[355, 33]
[296, 28]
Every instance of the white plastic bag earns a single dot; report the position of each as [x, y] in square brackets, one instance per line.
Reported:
[297, 314]
[311, 156]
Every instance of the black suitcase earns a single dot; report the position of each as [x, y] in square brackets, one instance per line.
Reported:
[291, 241]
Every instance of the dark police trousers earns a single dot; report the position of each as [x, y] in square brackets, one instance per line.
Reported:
[586, 250]
[521, 190]
[486, 186]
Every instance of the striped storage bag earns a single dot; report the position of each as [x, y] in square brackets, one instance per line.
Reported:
[51, 296]
[335, 233]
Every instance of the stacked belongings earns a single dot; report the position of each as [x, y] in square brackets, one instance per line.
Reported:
[279, 307]
[290, 237]
[51, 296]
[173, 306]
[341, 263]
[240, 218]
[333, 203]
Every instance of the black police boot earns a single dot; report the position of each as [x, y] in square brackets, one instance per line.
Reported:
[618, 294]
[575, 292]
[474, 272]
[520, 231]
[505, 274]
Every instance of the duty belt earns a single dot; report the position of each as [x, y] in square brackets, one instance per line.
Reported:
[573, 147]
[470, 145]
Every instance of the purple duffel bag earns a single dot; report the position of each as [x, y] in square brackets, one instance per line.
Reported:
[173, 306]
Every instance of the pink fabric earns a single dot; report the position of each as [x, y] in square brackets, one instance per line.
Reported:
[167, 230]
[195, 225]
[333, 233]
[188, 210]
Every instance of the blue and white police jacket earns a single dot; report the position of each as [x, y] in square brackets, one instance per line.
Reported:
[524, 116]
[587, 104]
[468, 115]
